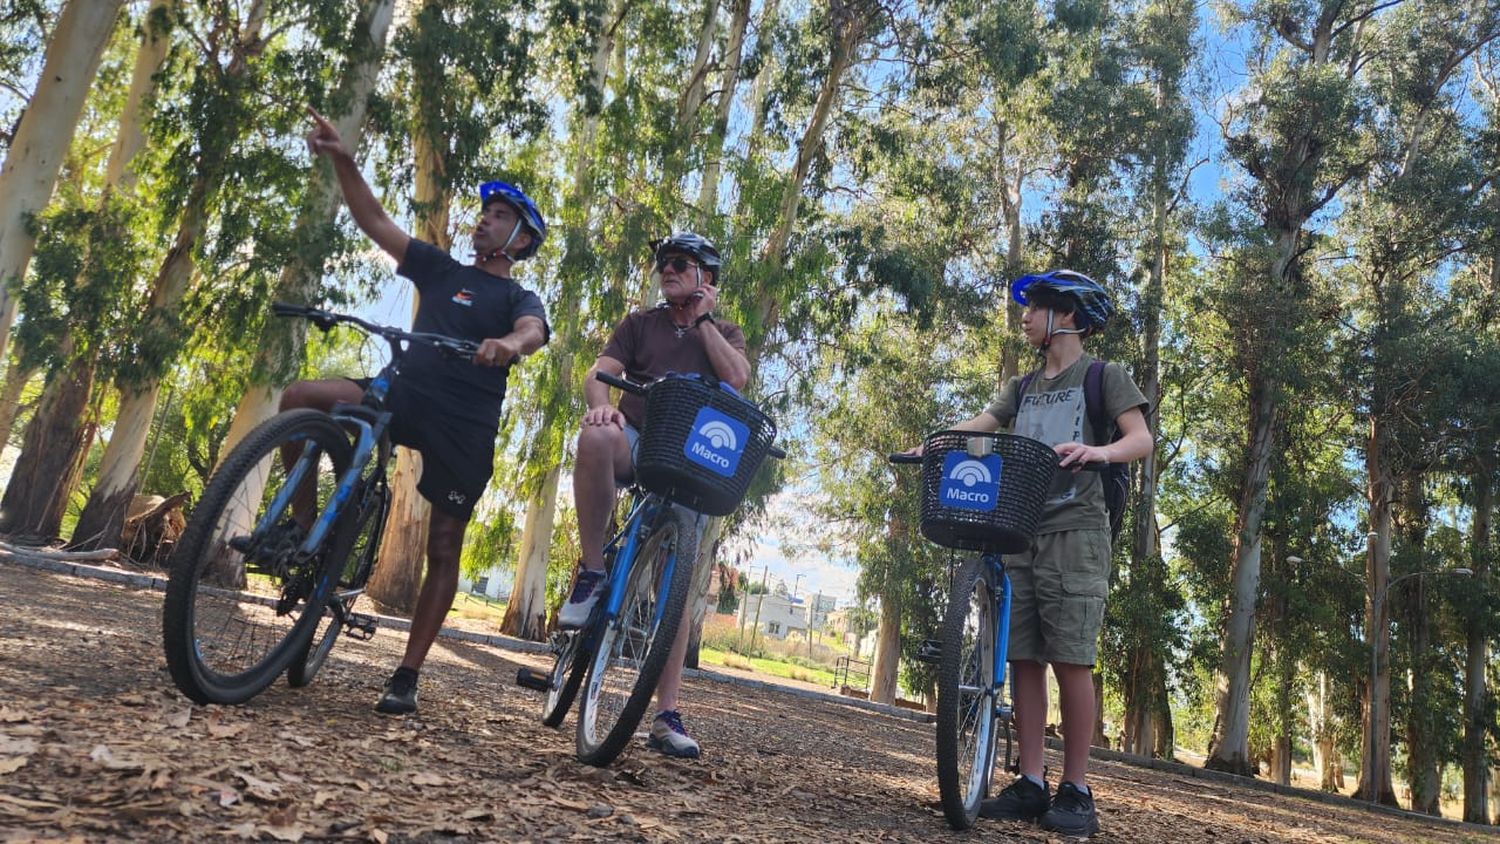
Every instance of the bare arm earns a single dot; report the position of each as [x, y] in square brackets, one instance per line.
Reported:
[363, 206]
[528, 335]
[596, 394]
[730, 364]
[981, 423]
[1134, 443]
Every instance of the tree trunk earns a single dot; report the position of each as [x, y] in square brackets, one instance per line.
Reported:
[16, 379]
[1375, 772]
[1229, 748]
[887, 669]
[708, 564]
[526, 612]
[55, 442]
[1476, 695]
[1323, 733]
[1423, 727]
[103, 515]
[44, 134]
[404, 546]
[708, 193]
[280, 350]
[693, 94]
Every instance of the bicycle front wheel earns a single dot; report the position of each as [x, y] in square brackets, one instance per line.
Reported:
[966, 695]
[356, 544]
[632, 648]
[241, 601]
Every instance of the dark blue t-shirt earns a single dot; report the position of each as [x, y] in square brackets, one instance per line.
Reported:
[462, 301]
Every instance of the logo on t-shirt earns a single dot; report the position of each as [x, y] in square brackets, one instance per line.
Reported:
[970, 483]
[717, 442]
[464, 297]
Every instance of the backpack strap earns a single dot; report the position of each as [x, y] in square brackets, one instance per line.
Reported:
[1093, 402]
[1021, 388]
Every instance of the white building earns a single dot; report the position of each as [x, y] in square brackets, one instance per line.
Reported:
[774, 615]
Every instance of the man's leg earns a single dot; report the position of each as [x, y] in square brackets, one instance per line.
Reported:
[1030, 714]
[318, 395]
[445, 540]
[1076, 690]
[603, 456]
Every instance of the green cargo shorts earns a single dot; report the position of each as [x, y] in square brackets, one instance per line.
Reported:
[1057, 597]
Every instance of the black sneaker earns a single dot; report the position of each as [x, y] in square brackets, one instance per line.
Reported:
[400, 695]
[1072, 812]
[1022, 800]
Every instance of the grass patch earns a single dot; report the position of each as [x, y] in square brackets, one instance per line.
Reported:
[478, 608]
[761, 665]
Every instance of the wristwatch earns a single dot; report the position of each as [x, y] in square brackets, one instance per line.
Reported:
[708, 317]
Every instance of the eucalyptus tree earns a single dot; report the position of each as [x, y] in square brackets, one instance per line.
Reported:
[87, 259]
[40, 141]
[1299, 134]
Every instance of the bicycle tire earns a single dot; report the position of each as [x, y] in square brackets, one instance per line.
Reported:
[230, 505]
[966, 719]
[354, 550]
[675, 533]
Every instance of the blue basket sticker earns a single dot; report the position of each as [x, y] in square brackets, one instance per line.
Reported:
[970, 483]
[717, 442]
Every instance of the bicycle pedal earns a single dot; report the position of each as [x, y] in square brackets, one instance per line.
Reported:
[360, 626]
[534, 680]
[930, 651]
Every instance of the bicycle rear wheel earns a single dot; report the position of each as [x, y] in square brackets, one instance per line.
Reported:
[632, 648]
[356, 544]
[241, 600]
[568, 671]
[965, 696]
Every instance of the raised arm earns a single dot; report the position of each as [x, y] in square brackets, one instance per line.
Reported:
[363, 206]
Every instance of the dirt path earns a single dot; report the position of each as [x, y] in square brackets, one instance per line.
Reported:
[96, 745]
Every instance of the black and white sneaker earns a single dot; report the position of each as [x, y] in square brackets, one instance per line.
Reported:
[586, 591]
[1072, 812]
[1022, 800]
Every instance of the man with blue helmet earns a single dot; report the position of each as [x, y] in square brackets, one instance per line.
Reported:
[679, 335]
[1059, 586]
[449, 410]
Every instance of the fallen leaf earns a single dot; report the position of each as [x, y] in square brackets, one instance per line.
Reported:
[284, 833]
[266, 792]
[104, 756]
[11, 764]
[428, 778]
[228, 797]
[471, 814]
[218, 730]
[180, 718]
[379, 836]
[13, 716]
[321, 797]
[17, 747]
[245, 830]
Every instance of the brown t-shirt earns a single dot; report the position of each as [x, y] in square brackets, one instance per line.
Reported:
[651, 345]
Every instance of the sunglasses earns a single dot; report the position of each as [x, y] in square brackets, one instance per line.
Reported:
[679, 263]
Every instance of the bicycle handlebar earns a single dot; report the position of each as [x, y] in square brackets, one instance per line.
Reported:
[325, 320]
[904, 459]
[641, 389]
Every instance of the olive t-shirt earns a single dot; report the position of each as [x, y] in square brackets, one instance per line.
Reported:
[1053, 412]
[467, 303]
[651, 345]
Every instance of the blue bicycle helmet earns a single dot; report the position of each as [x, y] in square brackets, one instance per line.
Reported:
[1090, 302]
[688, 243]
[526, 211]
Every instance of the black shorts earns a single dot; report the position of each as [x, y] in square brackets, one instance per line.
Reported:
[457, 458]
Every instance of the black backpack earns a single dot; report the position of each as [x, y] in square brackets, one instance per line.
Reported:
[1116, 478]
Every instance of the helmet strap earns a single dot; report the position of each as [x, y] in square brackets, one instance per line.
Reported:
[501, 250]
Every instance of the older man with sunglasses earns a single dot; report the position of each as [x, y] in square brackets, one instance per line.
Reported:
[679, 335]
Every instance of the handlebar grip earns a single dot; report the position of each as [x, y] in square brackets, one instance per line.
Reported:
[905, 459]
[777, 452]
[621, 383]
[1087, 467]
[288, 309]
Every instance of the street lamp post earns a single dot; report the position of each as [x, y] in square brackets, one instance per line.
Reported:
[1378, 630]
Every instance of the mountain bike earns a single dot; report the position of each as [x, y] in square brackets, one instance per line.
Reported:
[255, 591]
[981, 492]
[697, 452]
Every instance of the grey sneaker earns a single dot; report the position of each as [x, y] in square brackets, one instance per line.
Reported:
[1072, 812]
[1022, 800]
[586, 591]
[669, 736]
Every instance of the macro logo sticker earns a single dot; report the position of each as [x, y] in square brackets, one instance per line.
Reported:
[970, 483]
[717, 442]
[464, 297]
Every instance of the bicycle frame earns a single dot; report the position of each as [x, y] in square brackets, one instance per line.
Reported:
[622, 562]
[1002, 625]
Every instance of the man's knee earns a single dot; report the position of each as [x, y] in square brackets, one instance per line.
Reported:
[298, 394]
[445, 541]
[599, 442]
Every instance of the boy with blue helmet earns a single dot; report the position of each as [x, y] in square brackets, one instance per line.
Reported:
[1058, 587]
[448, 410]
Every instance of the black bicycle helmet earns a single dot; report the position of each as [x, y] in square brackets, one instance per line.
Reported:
[688, 243]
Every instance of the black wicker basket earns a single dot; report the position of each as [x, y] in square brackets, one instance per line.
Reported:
[984, 492]
[701, 445]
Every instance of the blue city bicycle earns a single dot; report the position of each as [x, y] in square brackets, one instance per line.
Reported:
[252, 593]
[981, 492]
[698, 450]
